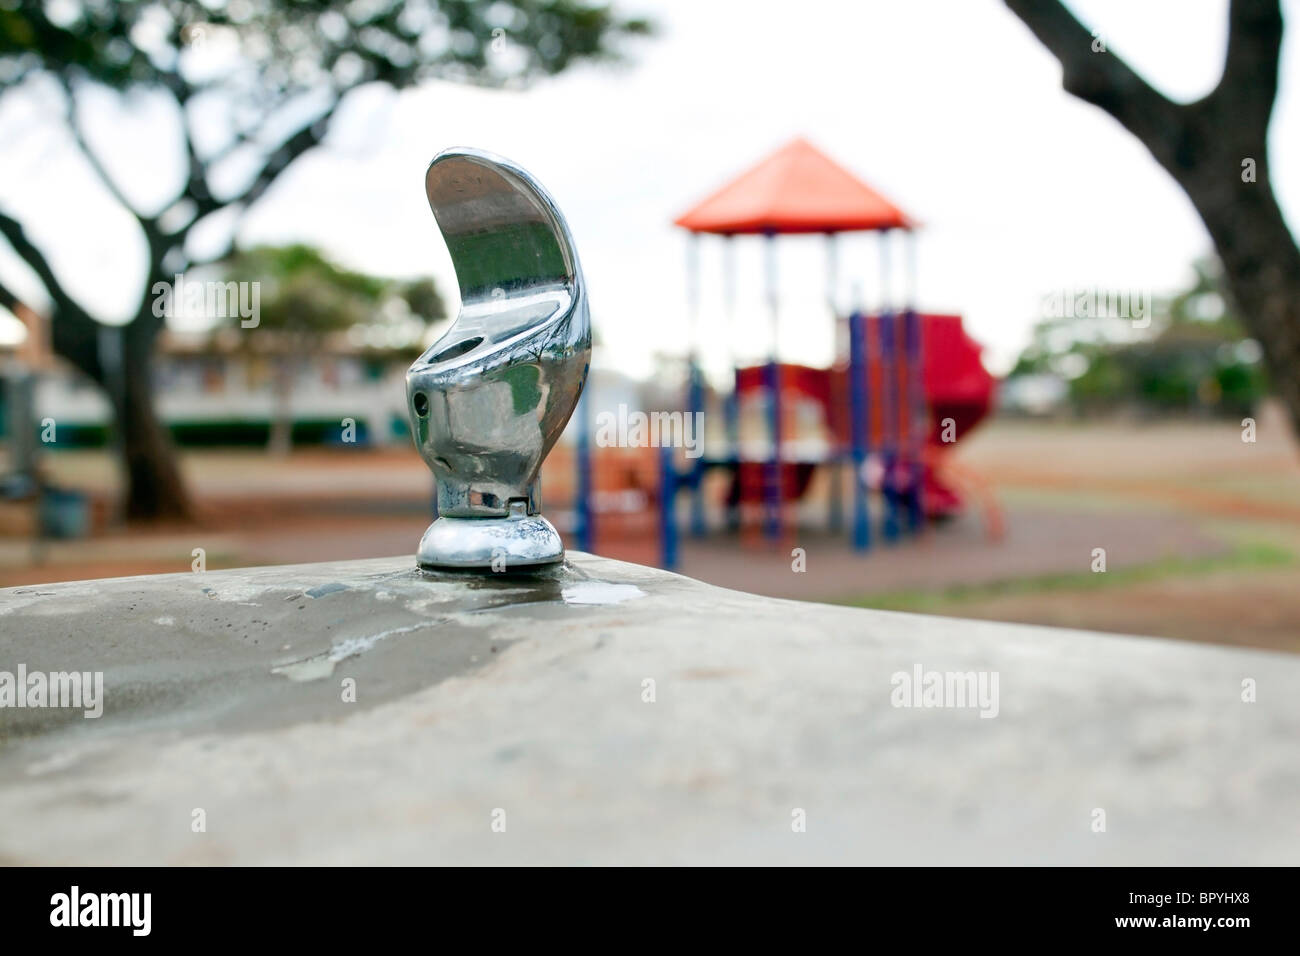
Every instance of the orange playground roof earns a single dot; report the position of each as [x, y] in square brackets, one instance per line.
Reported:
[798, 189]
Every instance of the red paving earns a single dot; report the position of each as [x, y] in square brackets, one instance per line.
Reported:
[1038, 542]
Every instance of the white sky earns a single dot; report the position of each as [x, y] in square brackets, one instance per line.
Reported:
[948, 107]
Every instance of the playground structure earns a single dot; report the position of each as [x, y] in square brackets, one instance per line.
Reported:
[910, 386]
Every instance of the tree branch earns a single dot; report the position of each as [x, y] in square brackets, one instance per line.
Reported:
[196, 189]
[74, 126]
[12, 230]
[196, 180]
[1103, 79]
[308, 137]
[9, 300]
[33, 352]
[75, 335]
[276, 162]
[1248, 88]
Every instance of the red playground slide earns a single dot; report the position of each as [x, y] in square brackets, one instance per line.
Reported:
[958, 394]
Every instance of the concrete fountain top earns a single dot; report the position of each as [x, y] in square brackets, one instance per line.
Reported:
[600, 712]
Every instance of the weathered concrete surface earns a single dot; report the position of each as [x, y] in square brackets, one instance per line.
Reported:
[224, 693]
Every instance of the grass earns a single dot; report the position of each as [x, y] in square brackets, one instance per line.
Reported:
[1246, 557]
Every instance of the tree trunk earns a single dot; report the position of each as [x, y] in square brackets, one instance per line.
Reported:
[154, 487]
[280, 436]
[1260, 262]
[1217, 150]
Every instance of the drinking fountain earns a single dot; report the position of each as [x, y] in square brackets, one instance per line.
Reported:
[488, 400]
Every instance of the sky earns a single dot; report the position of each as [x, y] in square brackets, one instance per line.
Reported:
[950, 108]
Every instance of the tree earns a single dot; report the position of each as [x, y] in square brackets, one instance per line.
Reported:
[1217, 150]
[1192, 357]
[277, 71]
[304, 297]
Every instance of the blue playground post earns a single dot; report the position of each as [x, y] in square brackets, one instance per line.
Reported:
[695, 403]
[889, 437]
[920, 416]
[772, 491]
[772, 487]
[731, 405]
[731, 409]
[668, 551]
[916, 419]
[890, 397]
[584, 524]
[859, 436]
[835, 519]
[694, 384]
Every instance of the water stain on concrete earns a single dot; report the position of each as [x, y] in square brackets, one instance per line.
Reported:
[231, 651]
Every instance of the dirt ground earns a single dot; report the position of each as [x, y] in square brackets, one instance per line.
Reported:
[1201, 530]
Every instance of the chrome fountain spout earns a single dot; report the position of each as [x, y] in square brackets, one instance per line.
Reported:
[488, 400]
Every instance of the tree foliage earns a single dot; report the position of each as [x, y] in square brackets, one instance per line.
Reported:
[272, 74]
[1194, 357]
[304, 295]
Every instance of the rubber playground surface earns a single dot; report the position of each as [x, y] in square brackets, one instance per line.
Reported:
[1201, 531]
